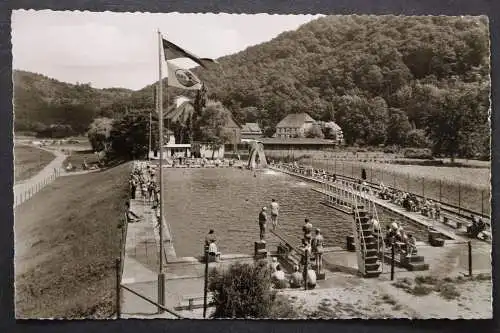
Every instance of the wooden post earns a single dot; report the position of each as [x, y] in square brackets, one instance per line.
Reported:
[470, 258]
[482, 202]
[118, 288]
[423, 186]
[393, 253]
[306, 261]
[459, 198]
[394, 179]
[440, 186]
[408, 183]
[205, 288]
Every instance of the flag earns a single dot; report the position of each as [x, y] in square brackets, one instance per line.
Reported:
[182, 78]
[173, 51]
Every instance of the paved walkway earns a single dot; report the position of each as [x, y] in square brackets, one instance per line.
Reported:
[42, 178]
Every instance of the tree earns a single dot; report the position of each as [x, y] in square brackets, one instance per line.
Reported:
[417, 139]
[99, 134]
[315, 132]
[210, 126]
[129, 135]
[398, 127]
[244, 291]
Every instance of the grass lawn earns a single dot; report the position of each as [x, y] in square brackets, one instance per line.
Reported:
[66, 242]
[29, 161]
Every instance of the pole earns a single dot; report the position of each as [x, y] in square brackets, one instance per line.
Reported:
[440, 186]
[149, 151]
[459, 199]
[205, 289]
[470, 258]
[306, 263]
[423, 186]
[118, 288]
[482, 202]
[161, 275]
[393, 253]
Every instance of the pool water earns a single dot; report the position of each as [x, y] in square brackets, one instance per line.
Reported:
[229, 200]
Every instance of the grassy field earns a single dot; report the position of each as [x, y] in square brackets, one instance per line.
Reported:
[66, 240]
[29, 161]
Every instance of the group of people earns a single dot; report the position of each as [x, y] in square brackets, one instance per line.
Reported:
[411, 202]
[477, 226]
[403, 242]
[295, 280]
[143, 178]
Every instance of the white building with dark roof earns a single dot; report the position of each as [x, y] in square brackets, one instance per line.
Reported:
[294, 125]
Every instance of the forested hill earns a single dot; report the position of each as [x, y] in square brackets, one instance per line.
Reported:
[377, 76]
[40, 101]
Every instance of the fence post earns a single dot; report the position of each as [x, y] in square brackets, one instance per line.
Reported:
[423, 186]
[440, 184]
[306, 263]
[482, 202]
[118, 288]
[352, 170]
[393, 253]
[459, 198]
[335, 166]
[394, 179]
[371, 174]
[205, 288]
[408, 183]
[470, 258]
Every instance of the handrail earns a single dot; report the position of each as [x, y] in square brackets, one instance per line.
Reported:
[357, 220]
[151, 301]
[296, 249]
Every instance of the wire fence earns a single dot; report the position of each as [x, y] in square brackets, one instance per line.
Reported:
[465, 198]
[26, 191]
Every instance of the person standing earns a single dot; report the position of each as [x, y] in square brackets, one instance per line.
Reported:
[274, 213]
[262, 223]
[317, 249]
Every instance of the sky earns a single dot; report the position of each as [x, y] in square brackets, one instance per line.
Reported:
[121, 49]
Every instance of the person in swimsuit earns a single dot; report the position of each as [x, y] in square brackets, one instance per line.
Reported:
[274, 213]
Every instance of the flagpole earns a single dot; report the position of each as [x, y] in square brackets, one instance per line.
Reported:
[161, 275]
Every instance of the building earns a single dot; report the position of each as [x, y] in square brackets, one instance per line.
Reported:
[172, 149]
[291, 144]
[294, 125]
[251, 131]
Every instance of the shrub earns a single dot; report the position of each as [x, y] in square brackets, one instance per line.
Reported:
[418, 153]
[244, 291]
[449, 291]
[421, 290]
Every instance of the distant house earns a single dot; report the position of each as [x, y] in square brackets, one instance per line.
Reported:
[171, 149]
[251, 131]
[294, 125]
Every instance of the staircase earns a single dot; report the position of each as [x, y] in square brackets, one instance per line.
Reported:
[367, 244]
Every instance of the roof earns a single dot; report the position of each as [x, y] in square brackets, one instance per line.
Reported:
[296, 141]
[180, 113]
[295, 120]
[333, 125]
[252, 128]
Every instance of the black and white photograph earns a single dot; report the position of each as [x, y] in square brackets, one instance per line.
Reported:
[251, 166]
